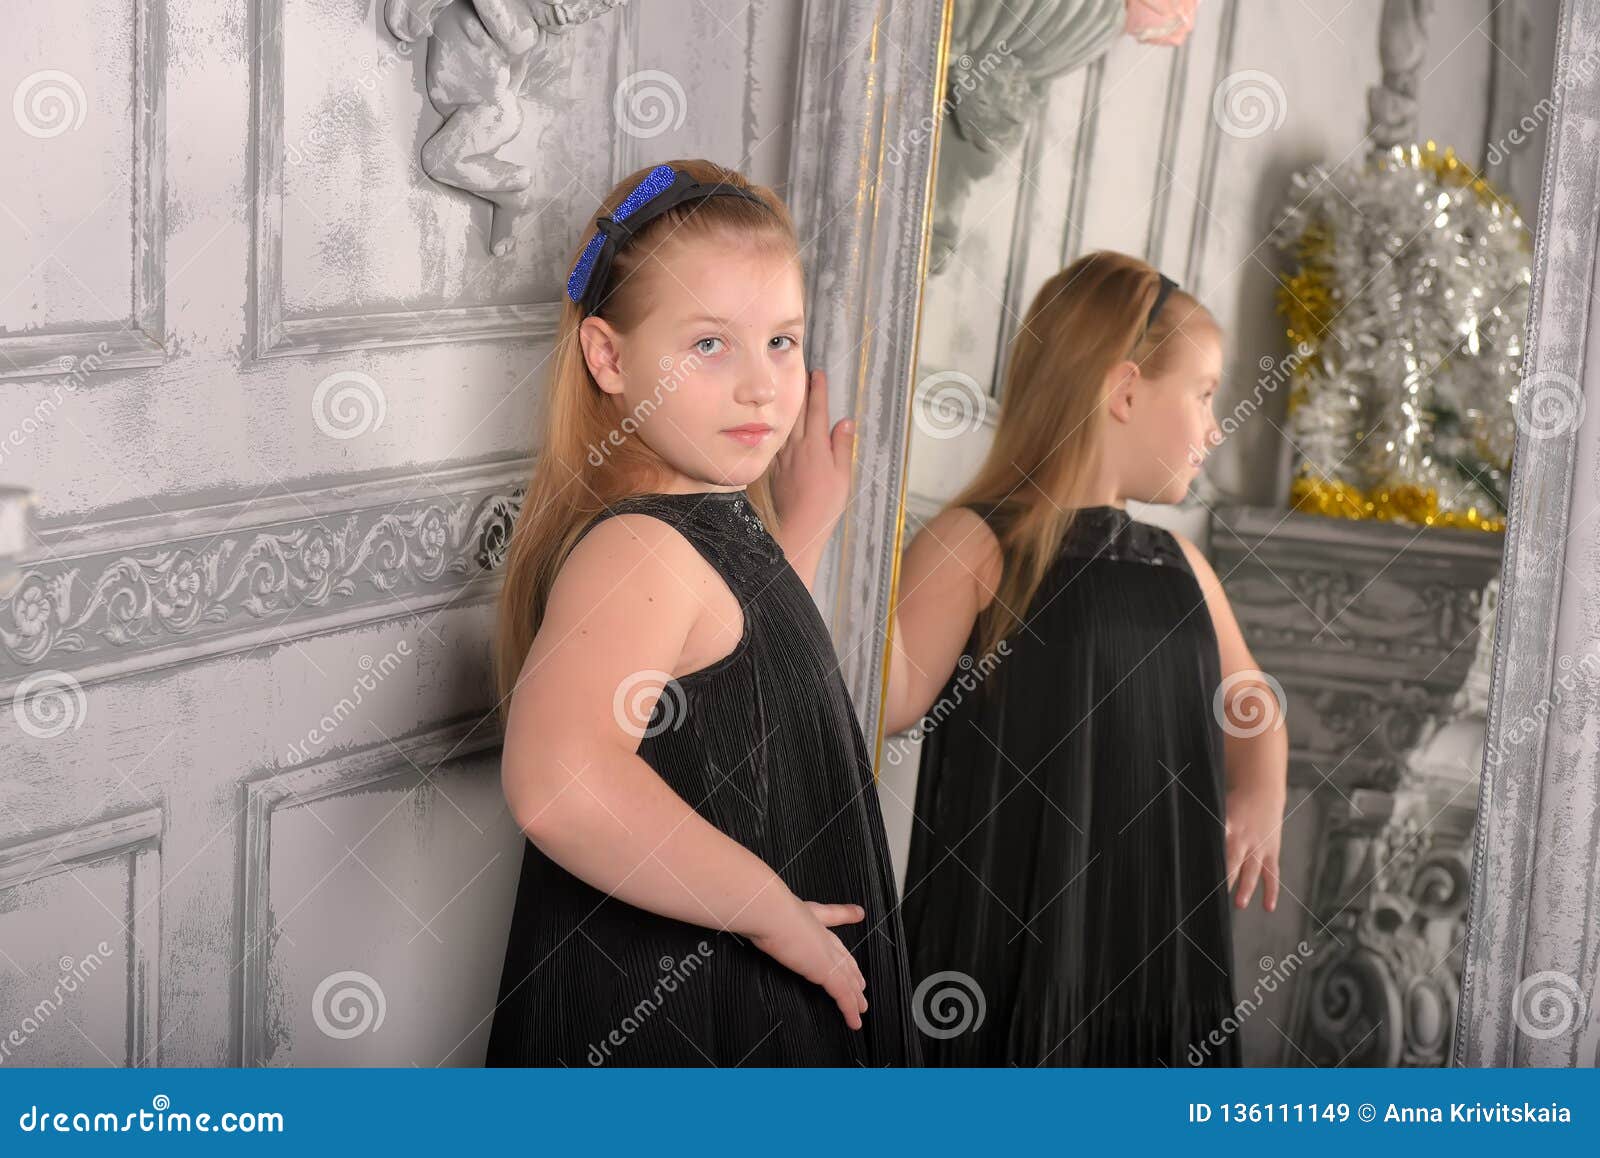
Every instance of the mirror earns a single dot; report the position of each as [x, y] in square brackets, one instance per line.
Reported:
[1265, 635]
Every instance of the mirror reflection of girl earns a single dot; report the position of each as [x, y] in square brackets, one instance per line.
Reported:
[707, 880]
[1102, 762]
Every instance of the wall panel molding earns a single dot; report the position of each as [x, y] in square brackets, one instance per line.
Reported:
[294, 787]
[275, 334]
[135, 836]
[140, 340]
[1167, 155]
[1193, 265]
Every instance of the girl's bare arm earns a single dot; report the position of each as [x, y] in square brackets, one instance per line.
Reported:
[1255, 747]
[616, 624]
[947, 577]
[571, 773]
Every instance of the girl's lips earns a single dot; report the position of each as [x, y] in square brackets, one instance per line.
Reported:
[749, 435]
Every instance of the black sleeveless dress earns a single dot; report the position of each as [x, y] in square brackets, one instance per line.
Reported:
[764, 744]
[1066, 901]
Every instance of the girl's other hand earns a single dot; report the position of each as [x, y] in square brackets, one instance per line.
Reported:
[1254, 836]
[810, 474]
[805, 943]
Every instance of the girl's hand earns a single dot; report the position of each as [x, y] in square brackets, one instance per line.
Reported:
[1254, 834]
[805, 943]
[810, 475]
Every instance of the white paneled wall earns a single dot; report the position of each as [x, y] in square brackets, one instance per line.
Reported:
[254, 777]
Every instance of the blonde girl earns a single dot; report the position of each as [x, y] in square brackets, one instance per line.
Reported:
[1101, 760]
[706, 879]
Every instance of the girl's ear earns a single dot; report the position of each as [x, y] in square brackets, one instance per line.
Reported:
[1120, 380]
[602, 350]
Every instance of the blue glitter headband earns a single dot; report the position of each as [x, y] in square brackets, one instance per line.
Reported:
[660, 191]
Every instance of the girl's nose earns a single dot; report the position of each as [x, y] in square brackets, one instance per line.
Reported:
[758, 387]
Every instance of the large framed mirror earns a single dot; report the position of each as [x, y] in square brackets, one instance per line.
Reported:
[1248, 399]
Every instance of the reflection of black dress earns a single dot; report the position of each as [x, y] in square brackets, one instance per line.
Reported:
[1067, 865]
[764, 744]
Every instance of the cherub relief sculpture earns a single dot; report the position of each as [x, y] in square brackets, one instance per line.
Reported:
[483, 57]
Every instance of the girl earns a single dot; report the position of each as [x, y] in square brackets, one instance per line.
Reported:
[1081, 684]
[707, 880]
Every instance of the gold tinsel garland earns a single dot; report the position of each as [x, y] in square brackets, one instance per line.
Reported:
[1405, 504]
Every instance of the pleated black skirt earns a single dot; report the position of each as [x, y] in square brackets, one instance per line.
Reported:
[1066, 899]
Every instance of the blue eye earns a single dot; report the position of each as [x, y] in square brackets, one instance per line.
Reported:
[698, 346]
[785, 338]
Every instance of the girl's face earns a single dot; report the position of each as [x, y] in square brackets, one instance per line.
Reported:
[713, 377]
[1167, 427]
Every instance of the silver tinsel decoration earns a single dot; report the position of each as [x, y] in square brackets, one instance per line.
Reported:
[1411, 291]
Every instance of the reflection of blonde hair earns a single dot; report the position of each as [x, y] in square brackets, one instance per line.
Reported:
[1082, 322]
[583, 424]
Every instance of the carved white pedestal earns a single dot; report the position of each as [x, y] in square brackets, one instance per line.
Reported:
[1372, 629]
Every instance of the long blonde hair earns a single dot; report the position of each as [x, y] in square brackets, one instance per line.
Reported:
[1082, 322]
[582, 423]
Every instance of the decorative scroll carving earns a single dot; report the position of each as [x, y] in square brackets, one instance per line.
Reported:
[190, 582]
[1392, 894]
[1296, 605]
[1385, 724]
